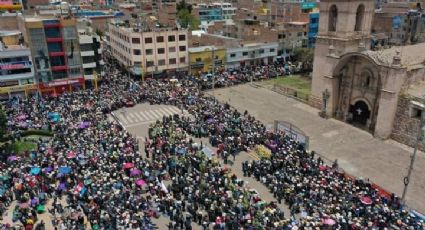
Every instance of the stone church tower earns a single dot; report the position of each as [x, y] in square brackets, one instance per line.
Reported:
[344, 27]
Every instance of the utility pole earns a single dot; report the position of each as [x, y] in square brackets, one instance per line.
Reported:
[419, 138]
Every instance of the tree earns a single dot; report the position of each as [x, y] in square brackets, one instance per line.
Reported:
[182, 5]
[305, 55]
[3, 122]
[186, 19]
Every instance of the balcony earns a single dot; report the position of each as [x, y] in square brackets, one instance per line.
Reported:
[87, 53]
[56, 54]
[58, 39]
[59, 68]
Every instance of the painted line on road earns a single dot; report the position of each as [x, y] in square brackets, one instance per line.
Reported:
[150, 116]
[138, 116]
[253, 156]
[140, 123]
[143, 115]
[157, 115]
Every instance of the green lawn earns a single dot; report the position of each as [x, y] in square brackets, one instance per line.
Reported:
[22, 146]
[296, 82]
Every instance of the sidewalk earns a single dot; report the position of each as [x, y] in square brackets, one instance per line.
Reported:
[383, 162]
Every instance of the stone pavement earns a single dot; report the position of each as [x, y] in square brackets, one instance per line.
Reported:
[358, 153]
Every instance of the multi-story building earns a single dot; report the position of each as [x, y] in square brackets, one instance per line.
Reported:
[55, 52]
[408, 28]
[201, 59]
[291, 35]
[251, 54]
[16, 69]
[216, 11]
[146, 49]
[313, 28]
[91, 52]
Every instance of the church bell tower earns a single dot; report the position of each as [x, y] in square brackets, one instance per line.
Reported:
[344, 27]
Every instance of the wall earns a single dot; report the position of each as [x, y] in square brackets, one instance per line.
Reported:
[405, 129]
[206, 59]
[8, 23]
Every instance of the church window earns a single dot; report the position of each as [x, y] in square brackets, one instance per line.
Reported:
[359, 18]
[333, 18]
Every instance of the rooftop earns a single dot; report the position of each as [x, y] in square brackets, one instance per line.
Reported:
[202, 48]
[417, 90]
[410, 55]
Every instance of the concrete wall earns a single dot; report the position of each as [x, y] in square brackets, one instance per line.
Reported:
[8, 23]
[405, 129]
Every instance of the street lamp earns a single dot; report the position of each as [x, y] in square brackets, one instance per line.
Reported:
[419, 138]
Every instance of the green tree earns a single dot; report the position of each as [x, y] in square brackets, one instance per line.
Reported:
[306, 56]
[182, 5]
[3, 122]
[186, 19]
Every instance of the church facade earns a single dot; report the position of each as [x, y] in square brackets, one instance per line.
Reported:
[352, 83]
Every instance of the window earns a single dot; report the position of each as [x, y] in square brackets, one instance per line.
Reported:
[182, 37]
[333, 17]
[160, 39]
[161, 62]
[171, 49]
[149, 63]
[137, 63]
[183, 60]
[171, 38]
[245, 53]
[182, 48]
[88, 59]
[172, 61]
[261, 51]
[135, 40]
[300, 34]
[272, 50]
[148, 40]
[86, 47]
[69, 32]
[161, 51]
[149, 51]
[232, 55]
[137, 52]
[359, 18]
[198, 59]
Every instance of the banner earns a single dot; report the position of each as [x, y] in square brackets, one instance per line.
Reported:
[15, 65]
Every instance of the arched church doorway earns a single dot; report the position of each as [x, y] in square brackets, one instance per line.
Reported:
[360, 112]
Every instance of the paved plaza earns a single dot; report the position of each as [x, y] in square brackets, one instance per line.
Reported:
[358, 153]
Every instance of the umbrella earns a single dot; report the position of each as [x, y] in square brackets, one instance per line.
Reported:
[207, 151]
[84, 125]
[322, 167]
[24, 205]
[41, 208]
[128, 165]
[328, 221]
[12, 158]
[35, 170]
[65, 170]
[48, 169]
[35, 201]
[71, 155]
[87, 181]
[62, 186]
[366, 200]
[135, 172]
[140, 182]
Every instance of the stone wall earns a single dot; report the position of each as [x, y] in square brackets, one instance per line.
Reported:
[405, 128]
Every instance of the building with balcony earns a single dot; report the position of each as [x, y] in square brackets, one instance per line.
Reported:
[147, 49]
[251, 54]
[16, 68]
[201, 59]
[291, 35]
[55, 52]
[218, 11]
[91, 51]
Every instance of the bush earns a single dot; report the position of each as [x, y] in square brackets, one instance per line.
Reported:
[37, 132]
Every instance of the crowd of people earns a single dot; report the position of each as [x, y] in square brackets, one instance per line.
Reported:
[93, 173]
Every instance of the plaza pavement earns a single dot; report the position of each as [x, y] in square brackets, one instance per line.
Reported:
[358, 152]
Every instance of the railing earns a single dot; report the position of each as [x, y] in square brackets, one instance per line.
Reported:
[287, 91]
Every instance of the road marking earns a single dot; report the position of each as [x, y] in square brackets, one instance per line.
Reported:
[163, 111]
[169, 111]
[122, 118]
[157, 115]
[175, 110]
[138, 116]
[143, 115]
[151, 116]
[140, 123]
[330, 133]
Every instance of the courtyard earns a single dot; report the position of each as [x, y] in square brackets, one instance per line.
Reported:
[358, 152]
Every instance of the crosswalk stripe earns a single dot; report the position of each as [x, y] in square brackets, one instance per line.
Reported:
[163, 111]
[175, 110]
[169, 111]
[151, 117]
[122, 118]
[157, 115]
[143, 115]
[138, 116]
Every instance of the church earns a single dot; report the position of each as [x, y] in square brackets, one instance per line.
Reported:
[365, 88]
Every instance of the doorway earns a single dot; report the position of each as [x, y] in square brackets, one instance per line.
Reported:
[361, 113]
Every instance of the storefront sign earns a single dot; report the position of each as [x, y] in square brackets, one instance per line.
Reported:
[15, 65]
[18, 88]
[62, 82]
[9, 83]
